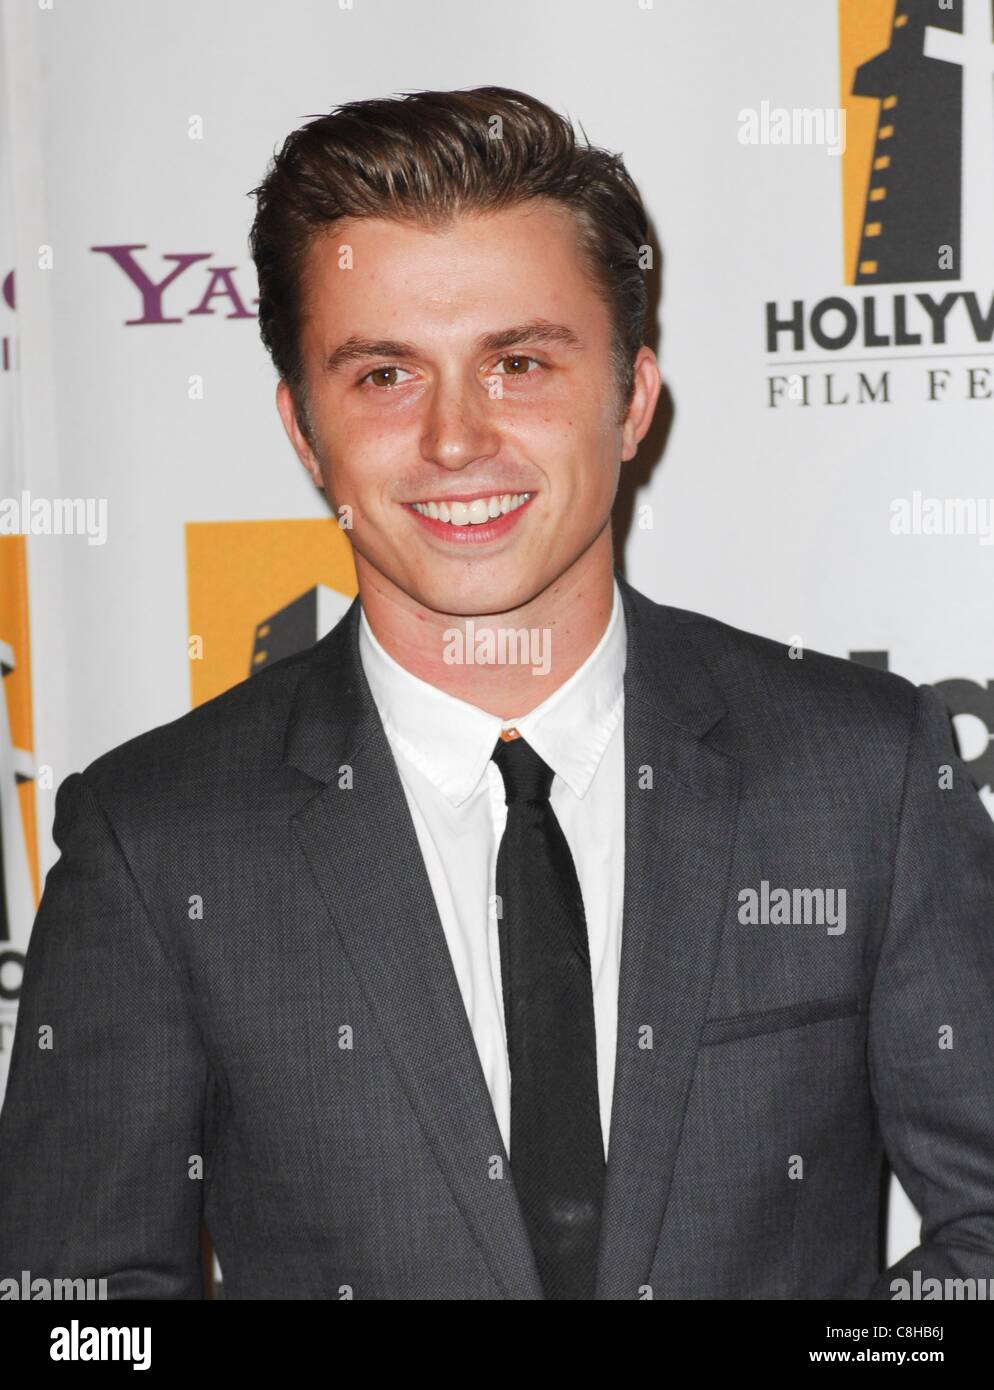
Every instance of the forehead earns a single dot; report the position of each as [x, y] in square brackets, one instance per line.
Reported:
[519, 263]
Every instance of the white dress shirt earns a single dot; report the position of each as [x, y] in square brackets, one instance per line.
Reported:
[442, 746]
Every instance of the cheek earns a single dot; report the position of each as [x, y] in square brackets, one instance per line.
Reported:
[598, 463]
[360, 457]
[588, 442]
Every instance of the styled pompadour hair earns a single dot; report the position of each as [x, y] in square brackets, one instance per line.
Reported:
[423, 158]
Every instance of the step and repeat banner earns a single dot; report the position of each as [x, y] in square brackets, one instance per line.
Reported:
[820, 178]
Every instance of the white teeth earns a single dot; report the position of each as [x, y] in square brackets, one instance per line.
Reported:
[473, 513]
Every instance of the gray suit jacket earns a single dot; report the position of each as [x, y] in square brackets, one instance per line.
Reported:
[239, 957]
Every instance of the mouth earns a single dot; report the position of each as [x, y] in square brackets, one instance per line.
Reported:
[471, 520]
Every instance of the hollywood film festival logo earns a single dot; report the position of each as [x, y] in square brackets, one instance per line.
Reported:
[917, 164]
[914, 140]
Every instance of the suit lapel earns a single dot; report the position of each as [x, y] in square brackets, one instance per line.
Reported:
[678, 843]
[363, 851]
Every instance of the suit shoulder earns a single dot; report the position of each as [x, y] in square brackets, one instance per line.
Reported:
[757, 668]
[241, 728]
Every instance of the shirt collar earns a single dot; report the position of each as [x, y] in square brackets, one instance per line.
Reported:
[450, 741]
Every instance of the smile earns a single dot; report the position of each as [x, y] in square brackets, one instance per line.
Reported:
[473, 521]
[475, 513]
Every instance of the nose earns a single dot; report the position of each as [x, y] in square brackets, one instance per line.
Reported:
[459, 424]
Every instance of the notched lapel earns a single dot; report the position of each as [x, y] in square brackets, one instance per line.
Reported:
[679, 836]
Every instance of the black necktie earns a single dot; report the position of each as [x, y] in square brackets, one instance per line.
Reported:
[557, 1150]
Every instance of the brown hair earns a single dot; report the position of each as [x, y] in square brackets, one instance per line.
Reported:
[424, 157]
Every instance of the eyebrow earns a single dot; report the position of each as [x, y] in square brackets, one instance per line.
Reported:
[538, 331]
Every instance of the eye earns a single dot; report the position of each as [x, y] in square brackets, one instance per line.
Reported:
[385, 370]
[518, 357]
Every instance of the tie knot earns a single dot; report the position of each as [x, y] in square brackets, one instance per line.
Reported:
[526, 776]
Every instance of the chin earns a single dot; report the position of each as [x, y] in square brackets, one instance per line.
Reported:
[471, 596]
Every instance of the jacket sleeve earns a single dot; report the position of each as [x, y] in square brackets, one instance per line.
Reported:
[102, 1121]
[931, 1013]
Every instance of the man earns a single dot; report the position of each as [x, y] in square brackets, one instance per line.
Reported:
[524, 938]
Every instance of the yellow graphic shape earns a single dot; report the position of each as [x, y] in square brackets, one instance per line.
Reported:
[14, 632]
[864, 31]
[240, 572]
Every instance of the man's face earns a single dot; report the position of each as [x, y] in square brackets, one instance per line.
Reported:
[412, 398]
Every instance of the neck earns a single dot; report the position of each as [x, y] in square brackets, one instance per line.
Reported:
[565, 622]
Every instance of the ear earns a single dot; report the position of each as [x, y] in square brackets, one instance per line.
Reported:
[642, 406]
[303, 450]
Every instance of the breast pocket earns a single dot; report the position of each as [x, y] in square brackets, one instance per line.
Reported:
[720, 1030]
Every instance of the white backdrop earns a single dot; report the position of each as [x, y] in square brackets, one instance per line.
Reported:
[777, 519]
